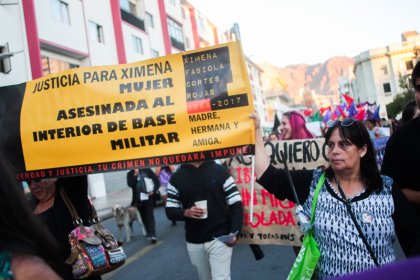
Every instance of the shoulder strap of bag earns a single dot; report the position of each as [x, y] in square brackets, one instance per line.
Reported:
[76, 219]
[94, 219]
[348, 206]
[314, 201]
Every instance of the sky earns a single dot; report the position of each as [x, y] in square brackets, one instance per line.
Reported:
[285, 32]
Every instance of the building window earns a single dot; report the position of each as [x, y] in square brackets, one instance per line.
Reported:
[60, 11]
[202, 25]
[52, 65]
[137, 44]
[96, 32]
[129, 6]
[155, 53]
[175, 32]
[129, 13]
[387, 88]
[409, 65]
[384, 69]
[149, 20]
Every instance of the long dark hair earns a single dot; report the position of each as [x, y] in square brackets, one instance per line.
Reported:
[357, 134]
[21, 232]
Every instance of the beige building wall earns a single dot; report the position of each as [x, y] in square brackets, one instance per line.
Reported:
[154, 29]
[377, 72]
[104, 52]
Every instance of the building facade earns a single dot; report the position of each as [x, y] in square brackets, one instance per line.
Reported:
[378, 71]
[49, 36]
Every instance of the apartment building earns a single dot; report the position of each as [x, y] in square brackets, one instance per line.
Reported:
[48, 36]
[377, 71]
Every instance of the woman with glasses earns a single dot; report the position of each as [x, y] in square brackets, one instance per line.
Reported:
[353, 191]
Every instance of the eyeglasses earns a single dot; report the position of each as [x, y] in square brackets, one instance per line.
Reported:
[345, 122]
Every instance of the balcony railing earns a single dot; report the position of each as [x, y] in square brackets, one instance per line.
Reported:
[176, 44]
[132, 19]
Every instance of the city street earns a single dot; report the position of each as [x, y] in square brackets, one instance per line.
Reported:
[168, 259]
[111, 98]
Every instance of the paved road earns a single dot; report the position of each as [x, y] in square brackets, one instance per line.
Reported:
[168, 259]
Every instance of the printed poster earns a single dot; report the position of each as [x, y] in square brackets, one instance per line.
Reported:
[273, 220]
[185, 107]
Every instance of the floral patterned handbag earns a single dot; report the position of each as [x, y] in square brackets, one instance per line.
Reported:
[94, 249]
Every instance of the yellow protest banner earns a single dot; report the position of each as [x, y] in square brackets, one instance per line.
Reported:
[180, 108]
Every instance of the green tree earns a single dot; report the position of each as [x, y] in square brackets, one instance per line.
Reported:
[402, 98]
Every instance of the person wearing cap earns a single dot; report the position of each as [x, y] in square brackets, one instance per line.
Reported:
[402, 149]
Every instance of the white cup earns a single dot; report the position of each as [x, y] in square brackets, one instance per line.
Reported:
[203, 205]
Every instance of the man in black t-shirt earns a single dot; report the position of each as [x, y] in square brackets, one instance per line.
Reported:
[403, 151]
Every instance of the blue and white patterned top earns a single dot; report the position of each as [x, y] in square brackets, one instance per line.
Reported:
[383, 215]
[342, 249]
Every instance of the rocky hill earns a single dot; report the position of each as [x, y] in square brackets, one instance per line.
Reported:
[323, 78]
